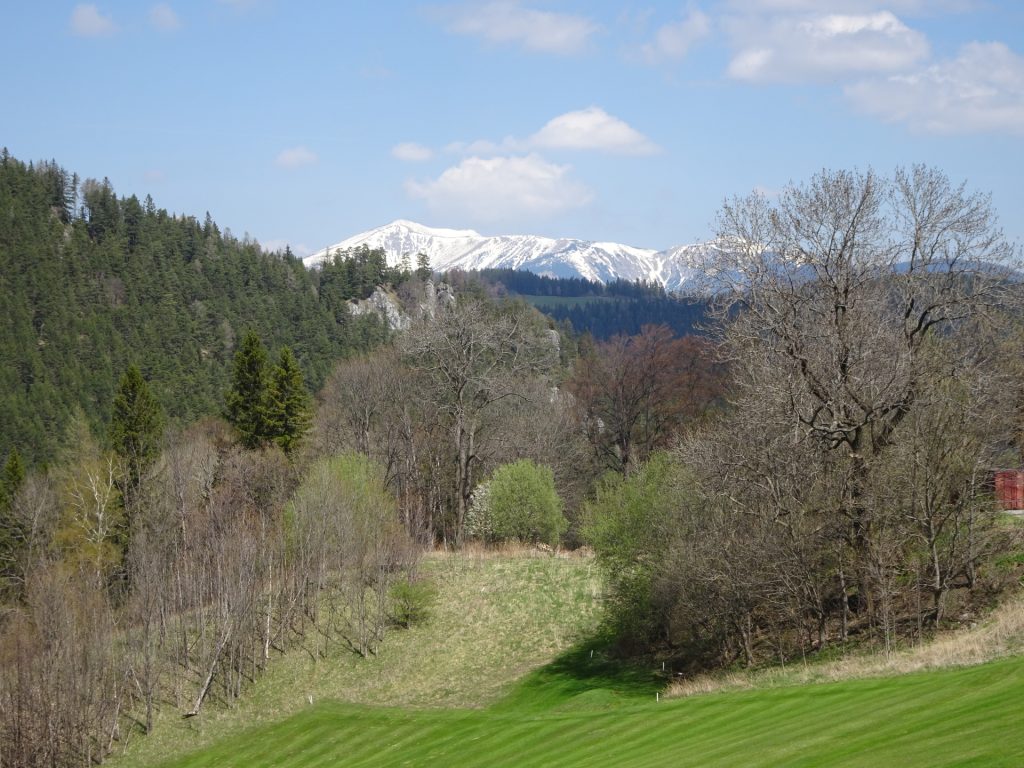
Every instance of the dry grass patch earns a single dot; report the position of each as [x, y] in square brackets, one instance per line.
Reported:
[1001, 635]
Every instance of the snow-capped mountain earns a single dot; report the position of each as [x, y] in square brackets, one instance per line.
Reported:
[565, 257]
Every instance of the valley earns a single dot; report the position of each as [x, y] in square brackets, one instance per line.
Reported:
[512, 383]
[277, 512]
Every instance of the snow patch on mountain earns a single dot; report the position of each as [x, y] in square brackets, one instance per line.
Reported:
[675, 268]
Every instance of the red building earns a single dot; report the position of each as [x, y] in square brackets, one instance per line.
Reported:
[1009, 488]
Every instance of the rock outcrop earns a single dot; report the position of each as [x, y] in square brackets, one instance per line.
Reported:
[389, 308]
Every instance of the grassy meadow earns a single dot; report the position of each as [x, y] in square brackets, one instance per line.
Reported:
[506, 672]
[497, 616]
[963, 716]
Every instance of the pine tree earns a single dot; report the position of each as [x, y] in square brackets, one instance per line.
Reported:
[246, 400]
[287, 405]
[136, 426]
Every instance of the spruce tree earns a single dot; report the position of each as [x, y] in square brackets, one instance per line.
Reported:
[287, 405]
[423, 270]
[246, 400]
[136, 426]
[13, 477]
[12, 534]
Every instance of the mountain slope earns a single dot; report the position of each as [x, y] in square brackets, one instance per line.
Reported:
[674, 268]
[496, 618]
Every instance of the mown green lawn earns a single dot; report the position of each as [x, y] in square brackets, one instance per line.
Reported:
[564, 716]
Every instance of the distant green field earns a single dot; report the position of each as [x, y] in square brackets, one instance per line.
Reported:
[545, 302]
[969, 716]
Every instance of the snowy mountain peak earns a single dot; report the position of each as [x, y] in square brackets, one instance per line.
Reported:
[564, 257]
[422, 229]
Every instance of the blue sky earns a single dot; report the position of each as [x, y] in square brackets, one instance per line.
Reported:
[307, 122]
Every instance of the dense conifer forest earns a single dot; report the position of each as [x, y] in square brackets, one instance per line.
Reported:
[91, 283]
[603, 311]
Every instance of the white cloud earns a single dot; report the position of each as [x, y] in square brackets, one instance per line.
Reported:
[411, 152]
[980, 91]
[87, 21]
[296, 157]
[584, 129]
[673, 41]
[162, 16]
[853, 6]
[594, 129]
[500, 189]
[154, 176]
[823, 47]
[506, 21]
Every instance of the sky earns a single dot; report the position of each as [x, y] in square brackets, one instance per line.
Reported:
[304, 123]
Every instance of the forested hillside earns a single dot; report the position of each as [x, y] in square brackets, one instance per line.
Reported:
[90, 283]
[811, 477]
[602, 310]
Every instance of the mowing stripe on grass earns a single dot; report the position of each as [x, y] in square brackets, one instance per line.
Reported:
[940, 718]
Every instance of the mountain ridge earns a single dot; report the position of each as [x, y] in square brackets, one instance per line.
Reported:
[674, 268]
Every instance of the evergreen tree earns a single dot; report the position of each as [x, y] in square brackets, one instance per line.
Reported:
[13, 477]
[287, 404]
[423, 270]
[12, 534]
[136, 426]
[246, 400]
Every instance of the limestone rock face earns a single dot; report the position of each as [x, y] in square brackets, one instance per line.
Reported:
[436, 296]
[386, 306]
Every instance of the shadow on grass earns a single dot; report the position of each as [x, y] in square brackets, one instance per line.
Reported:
[586, 677]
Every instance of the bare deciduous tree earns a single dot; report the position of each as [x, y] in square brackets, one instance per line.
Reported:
[852, 312]
[351, 547]
[473, 358]
[635, 392]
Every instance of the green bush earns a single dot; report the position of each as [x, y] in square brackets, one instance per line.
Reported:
[521, 503]
[411, 602]
[630, 524]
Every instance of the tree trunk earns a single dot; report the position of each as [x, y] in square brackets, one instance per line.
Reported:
[209, 676]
